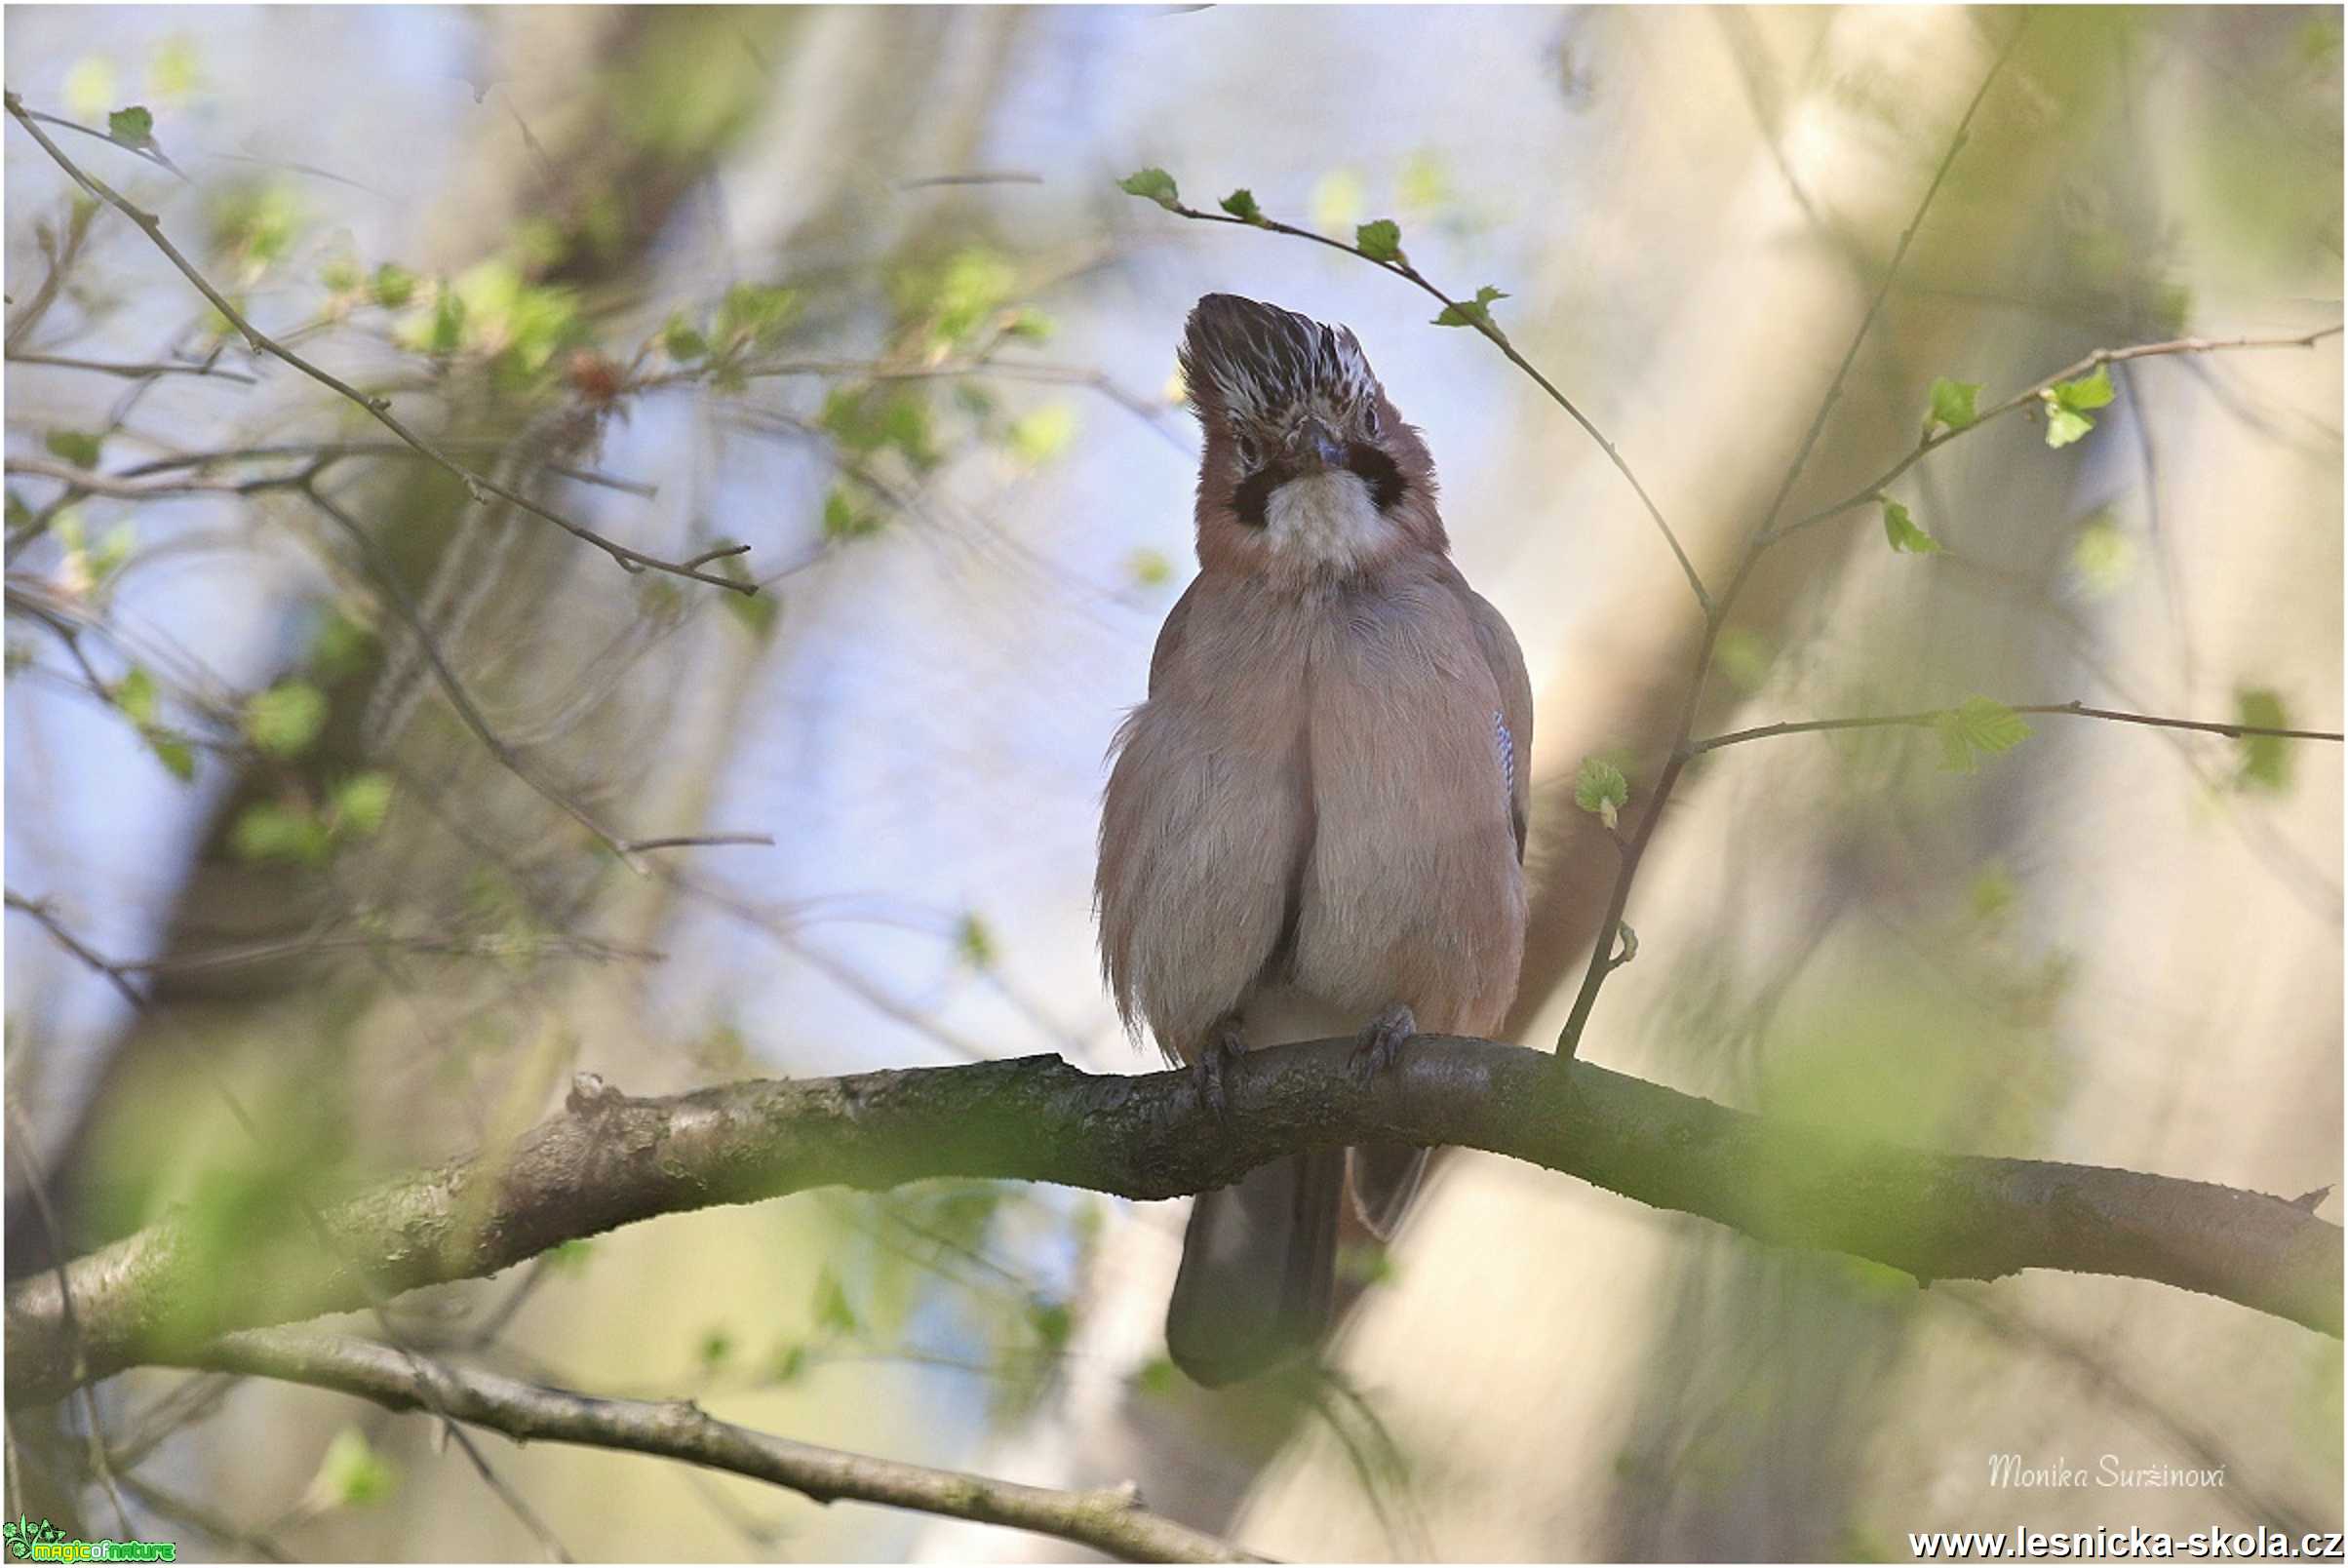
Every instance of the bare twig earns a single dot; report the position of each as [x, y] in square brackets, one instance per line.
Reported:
[136, 373]
[480, 487]
[1110, 1519]
[2064, 709]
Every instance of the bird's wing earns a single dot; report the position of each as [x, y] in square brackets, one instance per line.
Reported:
[1513, 726]
[1169, 635]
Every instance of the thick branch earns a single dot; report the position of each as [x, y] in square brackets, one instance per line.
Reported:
[609, 1161]
[1110, 1519]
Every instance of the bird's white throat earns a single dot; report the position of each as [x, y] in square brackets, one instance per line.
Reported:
[1328, 518]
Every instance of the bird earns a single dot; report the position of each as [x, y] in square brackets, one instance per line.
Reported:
[1315, 823]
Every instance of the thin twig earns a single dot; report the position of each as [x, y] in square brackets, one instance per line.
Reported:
[1602, 959]
[1109, 1520]
[480, 489]
[357, 1269]
[136, 373]
[1931, 443]
[1401, 267]
[2064, 709]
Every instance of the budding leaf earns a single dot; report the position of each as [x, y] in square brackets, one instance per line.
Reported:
[362, 801]
[1242, 205]
[1601, 790]
[352, 1474]
[683, 341]
[394, 286]
[2265, 758]
[132, 126]
[284, 720]
[1952, 402]
[1152, 186]
[2067, 403]
[1476, 312]
[76, 447]
[1381, 240]
[1901, 530]
[1977, 729]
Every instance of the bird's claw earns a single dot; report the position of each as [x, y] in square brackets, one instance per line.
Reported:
[1380, 1044]
[1224, 1047]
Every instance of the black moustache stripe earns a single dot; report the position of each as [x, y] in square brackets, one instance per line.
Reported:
[1374, 467]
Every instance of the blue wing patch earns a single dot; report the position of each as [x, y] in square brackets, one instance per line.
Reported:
[1504, 744]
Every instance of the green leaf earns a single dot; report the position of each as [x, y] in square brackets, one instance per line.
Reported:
[2265, 758]
[1052, 1323]
[1027, 325]
[717, 1347]
[1156, 1377]
[1476, 312]
[833, 1310]
[1601, 790]
[448, 331]
[1152, 186]
[844, 519]
[2103, 556]
[756, 313]
[1953, 402]
[683, 342]
[1039, 437]
[132, 126]
[2063, 426]
[272, 831]
[1977, 729]
[178, 757]
[1381, 240]
[135, 695]
[1242, 205]
[1900, 528]
[286, 719]
[2091, 391]
[362, 801]
[80, 449]
[342, 649]
[974, 940]
[352, 1474]
[569, 1257]
[394, 286]
[2067, 403]
[759, 613]
[1151, 567]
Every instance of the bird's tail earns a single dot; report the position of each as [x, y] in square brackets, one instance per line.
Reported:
[1259, 1270]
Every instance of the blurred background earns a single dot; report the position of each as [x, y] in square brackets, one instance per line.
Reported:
[857, 289]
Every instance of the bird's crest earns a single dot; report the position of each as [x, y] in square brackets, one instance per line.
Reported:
[1250, 361]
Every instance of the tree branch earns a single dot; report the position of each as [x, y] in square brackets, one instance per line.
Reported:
[378, 407]
[608, 1160]
[1109, 1520]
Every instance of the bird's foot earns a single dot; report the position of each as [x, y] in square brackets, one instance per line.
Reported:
[1380, 1044]
[1224, 1047]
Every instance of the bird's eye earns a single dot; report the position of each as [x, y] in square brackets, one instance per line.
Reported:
[1371, 423]
[1247, 452]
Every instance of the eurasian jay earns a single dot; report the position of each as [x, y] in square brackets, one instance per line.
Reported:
[1315, 825]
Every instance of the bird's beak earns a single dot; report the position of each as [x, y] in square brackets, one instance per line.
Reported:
[1313, 445]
